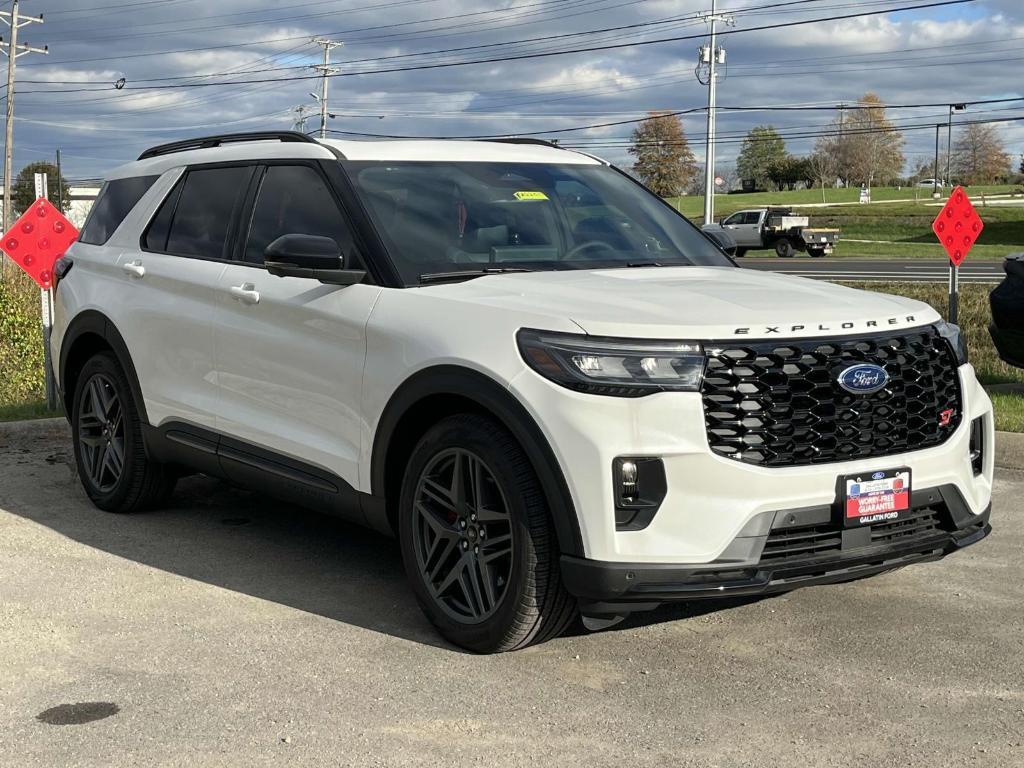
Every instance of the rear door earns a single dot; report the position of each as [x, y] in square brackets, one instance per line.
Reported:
[290, 351]
[164, 308]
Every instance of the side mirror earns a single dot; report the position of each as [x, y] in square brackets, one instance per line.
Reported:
[310, 256]
[721, 238]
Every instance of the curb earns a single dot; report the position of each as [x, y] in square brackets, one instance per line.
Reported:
[1009, 445]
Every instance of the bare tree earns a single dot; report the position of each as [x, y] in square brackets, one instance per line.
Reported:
[824, 162]
[664, 161]
[979, 156]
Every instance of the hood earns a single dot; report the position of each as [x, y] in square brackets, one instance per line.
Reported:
[693, 303]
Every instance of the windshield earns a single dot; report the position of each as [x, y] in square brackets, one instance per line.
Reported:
[454, 217]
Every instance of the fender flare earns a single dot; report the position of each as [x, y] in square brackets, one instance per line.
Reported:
[96, 323]
[491, 397]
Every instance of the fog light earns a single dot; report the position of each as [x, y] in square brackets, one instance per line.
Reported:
[977, 445]
[639, 487]
[628, 473]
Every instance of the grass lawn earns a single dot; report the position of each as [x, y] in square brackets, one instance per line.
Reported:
[903, 229]
[35, 409]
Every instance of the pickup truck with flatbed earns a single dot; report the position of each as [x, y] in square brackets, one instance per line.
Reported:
[778, 229]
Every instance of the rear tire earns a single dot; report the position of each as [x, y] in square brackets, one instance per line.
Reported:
[109, 450]
[815, 253]
[477, 540]
[784, 249]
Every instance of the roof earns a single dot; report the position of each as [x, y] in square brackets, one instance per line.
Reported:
[452, 150]
[405, 150]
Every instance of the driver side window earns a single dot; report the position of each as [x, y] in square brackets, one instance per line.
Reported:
[294, 200]
[736, 218]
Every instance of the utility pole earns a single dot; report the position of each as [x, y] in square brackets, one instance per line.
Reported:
[300, 121]
[326, 70]
[14, 51]
[712, 55]
[949, 136]
[935, 181]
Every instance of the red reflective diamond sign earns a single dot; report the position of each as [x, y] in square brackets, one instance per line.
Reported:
[38, 239]
[957, 226]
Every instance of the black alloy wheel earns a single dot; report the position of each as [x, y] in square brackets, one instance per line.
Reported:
[101, 433]
[106, 429]
[463, 535]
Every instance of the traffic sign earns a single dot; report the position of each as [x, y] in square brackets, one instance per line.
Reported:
[38, 239]
[957, 226]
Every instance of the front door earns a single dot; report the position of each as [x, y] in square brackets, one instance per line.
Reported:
[290, 351]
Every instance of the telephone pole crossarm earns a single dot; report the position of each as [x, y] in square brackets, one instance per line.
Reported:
[326, 70]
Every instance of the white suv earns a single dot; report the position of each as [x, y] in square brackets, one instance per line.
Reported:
[556, 392]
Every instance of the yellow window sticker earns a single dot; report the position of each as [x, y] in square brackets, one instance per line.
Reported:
[531, 196]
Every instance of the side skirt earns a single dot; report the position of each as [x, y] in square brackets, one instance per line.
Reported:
[255, 469]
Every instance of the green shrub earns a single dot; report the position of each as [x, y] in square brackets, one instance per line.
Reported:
[21, 339]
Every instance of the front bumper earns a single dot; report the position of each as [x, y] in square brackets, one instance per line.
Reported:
[797, 548]
[713, 503]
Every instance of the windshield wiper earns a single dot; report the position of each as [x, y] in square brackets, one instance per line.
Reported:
[644, 264]
[468, 274]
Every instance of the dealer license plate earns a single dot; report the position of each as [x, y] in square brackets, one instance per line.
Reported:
[875, 497]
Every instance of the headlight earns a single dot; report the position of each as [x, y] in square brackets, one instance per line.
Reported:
[956, 339]
[616, 367]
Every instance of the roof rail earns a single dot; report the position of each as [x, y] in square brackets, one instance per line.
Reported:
[525, 140]
[207, 142]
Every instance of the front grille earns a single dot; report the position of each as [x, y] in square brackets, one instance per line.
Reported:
[779, 404]
[827, 538]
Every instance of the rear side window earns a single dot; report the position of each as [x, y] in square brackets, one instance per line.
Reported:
[115, 201]
[195, 218]
[294, 200]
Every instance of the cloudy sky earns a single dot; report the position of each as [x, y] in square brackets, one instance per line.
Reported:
[194, 67]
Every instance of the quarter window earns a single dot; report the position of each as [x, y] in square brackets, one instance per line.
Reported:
[294, 200]
[115, 201]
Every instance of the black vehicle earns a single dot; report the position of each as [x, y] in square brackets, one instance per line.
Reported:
[1007, 302]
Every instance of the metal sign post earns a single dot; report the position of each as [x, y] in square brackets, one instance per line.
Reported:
[46, 312]
[954, 291]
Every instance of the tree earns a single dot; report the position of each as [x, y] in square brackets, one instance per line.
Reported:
[762, 147]
[1021, 168]
[24, 192]
[824, 163]
[979, 156]
[786, 172]
[664, 161]
[869, 147]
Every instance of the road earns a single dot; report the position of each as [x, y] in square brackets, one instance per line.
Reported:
[878, 270]
[230, 630]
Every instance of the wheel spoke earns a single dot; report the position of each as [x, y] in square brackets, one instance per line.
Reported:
[99, 464]
[115, 458]
[439, 494]
[471, 586]
[485, 580]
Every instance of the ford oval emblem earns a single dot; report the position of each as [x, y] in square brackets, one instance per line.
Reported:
[878, 475]
[863, 379]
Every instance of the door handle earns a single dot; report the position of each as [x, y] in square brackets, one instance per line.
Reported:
[245, 293]
[134, 268]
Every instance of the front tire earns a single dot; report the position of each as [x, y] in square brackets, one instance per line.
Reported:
[109, 451]
[740, 253]
[477, 541]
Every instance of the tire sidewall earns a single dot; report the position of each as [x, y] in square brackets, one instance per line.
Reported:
[106, 364]
[455, 433]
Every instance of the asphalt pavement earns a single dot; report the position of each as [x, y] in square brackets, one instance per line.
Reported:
[877, 270]
[229, 630]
